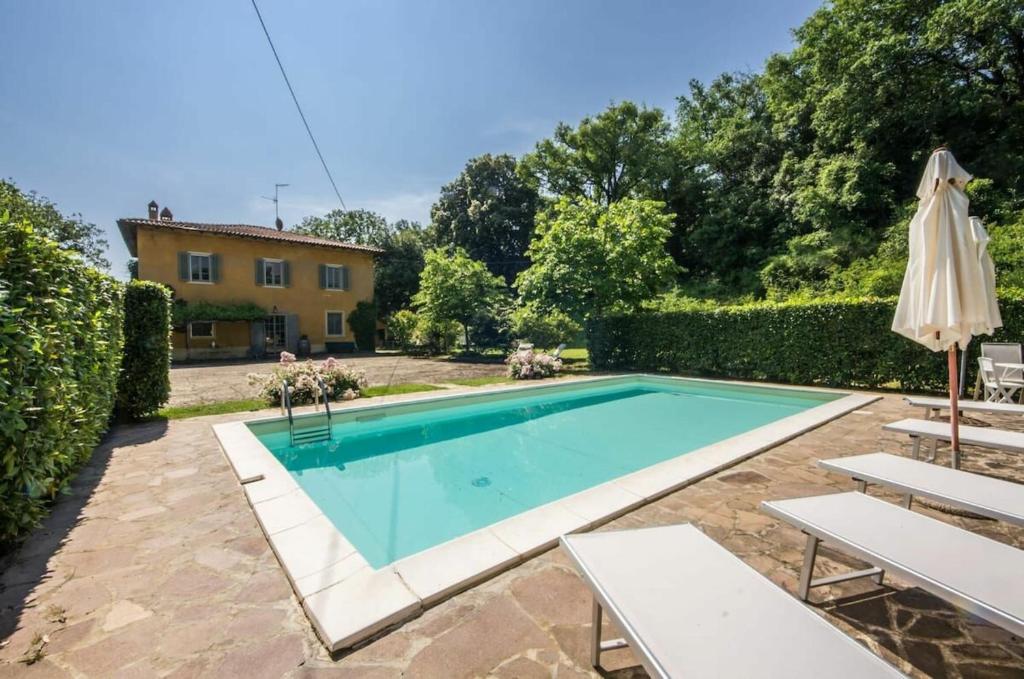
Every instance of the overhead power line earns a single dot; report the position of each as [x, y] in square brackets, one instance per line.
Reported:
[297, 106]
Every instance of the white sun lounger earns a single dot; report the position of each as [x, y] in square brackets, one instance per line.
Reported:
[986, 437]
[1001, 500]
[689, 608]
[980, 575]
[932, 406]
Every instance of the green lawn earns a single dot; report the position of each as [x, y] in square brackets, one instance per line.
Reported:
[392, 389]
[219, 408]
[579, 354]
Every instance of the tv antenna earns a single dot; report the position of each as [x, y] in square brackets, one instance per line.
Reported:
[275, 200]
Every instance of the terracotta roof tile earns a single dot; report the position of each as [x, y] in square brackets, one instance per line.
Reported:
[240, 231]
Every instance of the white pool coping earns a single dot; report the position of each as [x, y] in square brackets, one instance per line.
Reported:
[348, 601]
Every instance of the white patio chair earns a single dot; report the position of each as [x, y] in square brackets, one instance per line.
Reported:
[996, 388]
[1002, 352]
[557, 353]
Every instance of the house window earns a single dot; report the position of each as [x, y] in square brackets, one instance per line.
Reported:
[199, 267]
[335, 324]
[334, 277]
[273, 273]
[200, 329]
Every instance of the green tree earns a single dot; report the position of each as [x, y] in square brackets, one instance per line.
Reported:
[402, 328]
[872, 88]
[727, 155]
[488, 211]
[70, 232]
[349, 226]
[545, 328]
[455, 287]
[397, 270]
[590, 258]
[620, 153]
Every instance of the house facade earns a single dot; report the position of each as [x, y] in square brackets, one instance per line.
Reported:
[307, 286]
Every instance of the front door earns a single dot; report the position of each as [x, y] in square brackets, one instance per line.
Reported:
[275, 331]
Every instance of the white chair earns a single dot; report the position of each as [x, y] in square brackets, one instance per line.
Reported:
[997, 389]
[1002, 352]
[557, 353]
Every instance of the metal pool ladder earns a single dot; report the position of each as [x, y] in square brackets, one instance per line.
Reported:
[313, 434]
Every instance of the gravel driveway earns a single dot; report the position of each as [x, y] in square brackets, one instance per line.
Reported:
[226, 381]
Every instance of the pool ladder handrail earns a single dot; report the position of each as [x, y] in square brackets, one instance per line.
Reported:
[308, 434]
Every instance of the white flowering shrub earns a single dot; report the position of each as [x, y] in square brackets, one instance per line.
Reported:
[342, 382]
[530, 365]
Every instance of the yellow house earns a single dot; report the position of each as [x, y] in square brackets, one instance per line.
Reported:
[307, 285]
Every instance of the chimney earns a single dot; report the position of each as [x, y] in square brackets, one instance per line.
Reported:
[153, 207]
[165, 215]
[279, 224]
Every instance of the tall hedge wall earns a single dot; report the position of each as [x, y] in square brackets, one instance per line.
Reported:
[145, 382]
[831, 343]
[60, 353]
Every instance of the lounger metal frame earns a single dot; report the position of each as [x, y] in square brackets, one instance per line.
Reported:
[912, 577]
[629, 636]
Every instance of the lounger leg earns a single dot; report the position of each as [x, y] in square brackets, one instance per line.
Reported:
[908, 500]
[916, 450]
[810, 554]
[595, 641]
[862, 486]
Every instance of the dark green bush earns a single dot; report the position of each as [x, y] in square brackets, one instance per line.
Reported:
[60, 352]
[145, 383]
[831, 343]
[183, 312]
[363, 321]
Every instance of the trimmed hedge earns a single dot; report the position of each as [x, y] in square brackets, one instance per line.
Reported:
[60, 353]
[845, 343]
[145, 383]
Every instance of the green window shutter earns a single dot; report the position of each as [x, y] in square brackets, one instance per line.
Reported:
[323, 276]
[344, 278]
[183, 266]
[286, 274]
[215, 268]
[259, 272]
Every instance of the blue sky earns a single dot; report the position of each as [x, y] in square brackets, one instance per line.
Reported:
[108, 104]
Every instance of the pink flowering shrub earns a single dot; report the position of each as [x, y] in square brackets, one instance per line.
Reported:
[342, 382]
[530, 365]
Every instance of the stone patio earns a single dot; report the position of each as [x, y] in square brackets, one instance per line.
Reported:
[155, 566]
[194, 383]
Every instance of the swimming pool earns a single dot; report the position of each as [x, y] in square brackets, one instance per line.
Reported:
[399, 482]
[415, 500]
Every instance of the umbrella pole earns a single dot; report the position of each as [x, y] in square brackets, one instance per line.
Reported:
[954, 408]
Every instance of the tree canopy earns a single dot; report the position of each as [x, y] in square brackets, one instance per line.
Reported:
[361, 227]
[488, 211]
[455, 287]
[71, 232]
[397, 273]
[620, 153]
[590, 258]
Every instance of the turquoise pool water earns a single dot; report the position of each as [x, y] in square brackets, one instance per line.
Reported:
[417, 477]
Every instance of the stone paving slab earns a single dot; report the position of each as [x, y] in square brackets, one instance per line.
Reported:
[154, 565]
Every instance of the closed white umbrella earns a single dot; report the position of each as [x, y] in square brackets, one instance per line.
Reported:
[946, 297]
